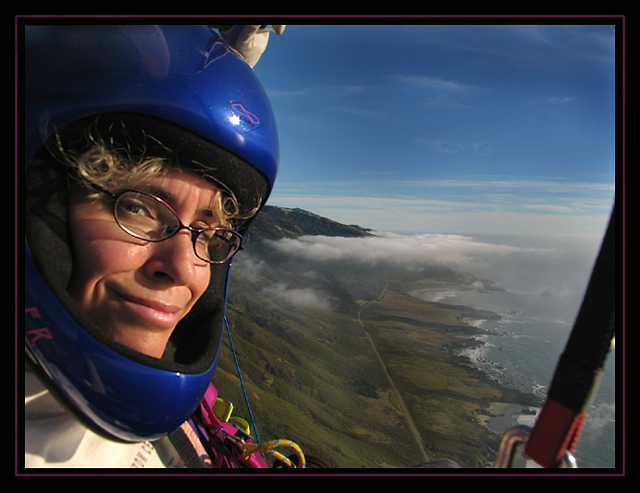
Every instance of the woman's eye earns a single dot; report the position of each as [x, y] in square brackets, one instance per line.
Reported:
[134, 207]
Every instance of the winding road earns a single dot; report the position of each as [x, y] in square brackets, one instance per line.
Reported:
[407, 416]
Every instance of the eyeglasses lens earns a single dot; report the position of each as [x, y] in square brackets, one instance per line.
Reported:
[147, 217]
[216, 245]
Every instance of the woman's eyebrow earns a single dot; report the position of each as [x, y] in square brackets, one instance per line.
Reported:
[160, 192]
[168, 197]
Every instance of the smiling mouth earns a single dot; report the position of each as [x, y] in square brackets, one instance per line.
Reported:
[152, 313]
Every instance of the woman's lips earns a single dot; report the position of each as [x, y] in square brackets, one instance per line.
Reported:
[151, 312]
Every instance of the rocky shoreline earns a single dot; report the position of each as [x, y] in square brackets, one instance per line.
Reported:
[498, 417]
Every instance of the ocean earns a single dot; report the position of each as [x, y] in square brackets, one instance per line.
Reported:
[538, 306]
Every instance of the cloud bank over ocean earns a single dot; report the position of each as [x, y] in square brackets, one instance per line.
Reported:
[561, 265]
[502, 259]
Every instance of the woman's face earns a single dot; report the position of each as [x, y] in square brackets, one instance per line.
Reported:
[137, 291]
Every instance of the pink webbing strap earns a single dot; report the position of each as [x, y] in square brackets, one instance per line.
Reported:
[220, 436]
[556, 432]
[210, 396]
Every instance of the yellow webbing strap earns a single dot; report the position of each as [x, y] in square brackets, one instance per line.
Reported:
[268, 448]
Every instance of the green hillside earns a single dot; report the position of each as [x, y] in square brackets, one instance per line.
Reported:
[312, 374]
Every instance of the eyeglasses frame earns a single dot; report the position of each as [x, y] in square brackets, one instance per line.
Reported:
[195, 232]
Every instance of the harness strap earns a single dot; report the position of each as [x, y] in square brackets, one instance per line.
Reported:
[185, 449]
[580, 367]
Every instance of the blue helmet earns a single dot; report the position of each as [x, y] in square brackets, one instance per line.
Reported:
[184, 84]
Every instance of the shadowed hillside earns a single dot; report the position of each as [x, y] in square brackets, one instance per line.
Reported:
[274, 223]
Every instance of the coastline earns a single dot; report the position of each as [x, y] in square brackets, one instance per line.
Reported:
[497, 417]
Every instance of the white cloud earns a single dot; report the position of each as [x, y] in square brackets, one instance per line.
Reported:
[507, 259]
[550, 208]
[322, 91]
[442, 146]
[298, 297]
[248, 268]
[404, 250]
[538, 184]
[429, 82]
[365, 112]
[558, 100]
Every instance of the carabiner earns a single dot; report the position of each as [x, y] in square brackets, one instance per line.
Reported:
[518, 435]
[513, 437]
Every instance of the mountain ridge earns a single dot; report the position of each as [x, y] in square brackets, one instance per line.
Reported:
[275, 222]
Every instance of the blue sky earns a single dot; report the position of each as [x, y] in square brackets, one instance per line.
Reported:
[446, 128]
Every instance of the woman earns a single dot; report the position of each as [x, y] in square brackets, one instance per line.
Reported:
[148, 151]
[137, 269]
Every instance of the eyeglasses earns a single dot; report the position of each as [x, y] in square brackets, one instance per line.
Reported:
[150, 218]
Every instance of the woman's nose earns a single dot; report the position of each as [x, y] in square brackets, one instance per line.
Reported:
[173, 260]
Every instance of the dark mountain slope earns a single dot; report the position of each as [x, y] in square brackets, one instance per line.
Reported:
[276, 222]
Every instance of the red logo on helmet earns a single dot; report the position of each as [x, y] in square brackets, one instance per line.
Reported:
[244, 118]
[37, 333]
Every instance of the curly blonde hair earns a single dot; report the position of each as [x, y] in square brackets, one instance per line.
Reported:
[117, 168]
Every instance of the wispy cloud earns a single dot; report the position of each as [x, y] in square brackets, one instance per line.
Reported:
[442, 146]
[541, 206]
[451, 147]
[436, 91]
[355, 111]
[533, 184]
[320, 90]
[471, 186]
[550, 208]
[558, 100]
[433, 83]
[529, 44]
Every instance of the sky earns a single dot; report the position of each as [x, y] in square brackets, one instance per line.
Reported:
[460, 129]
